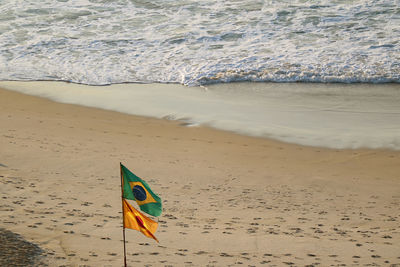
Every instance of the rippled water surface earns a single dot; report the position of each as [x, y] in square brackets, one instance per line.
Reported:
[200, 42]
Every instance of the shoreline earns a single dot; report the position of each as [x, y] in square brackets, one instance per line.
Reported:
[228, 198]
[337, 116]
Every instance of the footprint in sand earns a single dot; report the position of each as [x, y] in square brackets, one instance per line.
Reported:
[136, 254]
[112, 254]
[180, 254]
[288, 263]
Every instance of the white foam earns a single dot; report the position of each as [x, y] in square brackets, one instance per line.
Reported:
[336, 116]
[198, 42]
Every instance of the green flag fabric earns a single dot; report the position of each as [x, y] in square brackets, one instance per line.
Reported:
[136, 189]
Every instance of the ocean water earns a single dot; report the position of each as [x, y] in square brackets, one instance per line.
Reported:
[197, 42]
[320, 73]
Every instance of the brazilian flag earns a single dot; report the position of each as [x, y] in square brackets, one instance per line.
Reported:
[136, 189]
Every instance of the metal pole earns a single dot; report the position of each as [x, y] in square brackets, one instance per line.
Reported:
[123, 213]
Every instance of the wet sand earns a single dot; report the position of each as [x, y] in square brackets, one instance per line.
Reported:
[228, 199]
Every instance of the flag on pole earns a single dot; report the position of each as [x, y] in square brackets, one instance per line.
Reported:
[134, 219]
[136, 189]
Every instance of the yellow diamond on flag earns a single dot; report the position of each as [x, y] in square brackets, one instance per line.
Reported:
[141, 194]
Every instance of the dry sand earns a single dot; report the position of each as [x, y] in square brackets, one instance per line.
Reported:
[228, 199]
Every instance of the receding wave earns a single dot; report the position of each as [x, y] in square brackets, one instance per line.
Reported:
[328, 115]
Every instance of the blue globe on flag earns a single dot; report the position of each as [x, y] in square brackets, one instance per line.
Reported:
[139, 192]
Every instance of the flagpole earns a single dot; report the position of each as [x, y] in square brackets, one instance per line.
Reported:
[123, 213]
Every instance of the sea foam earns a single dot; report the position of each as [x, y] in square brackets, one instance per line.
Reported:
[200, 42]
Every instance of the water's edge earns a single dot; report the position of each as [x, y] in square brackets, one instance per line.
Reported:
[324, 115]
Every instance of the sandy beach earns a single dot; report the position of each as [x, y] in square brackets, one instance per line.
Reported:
[228, 199]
